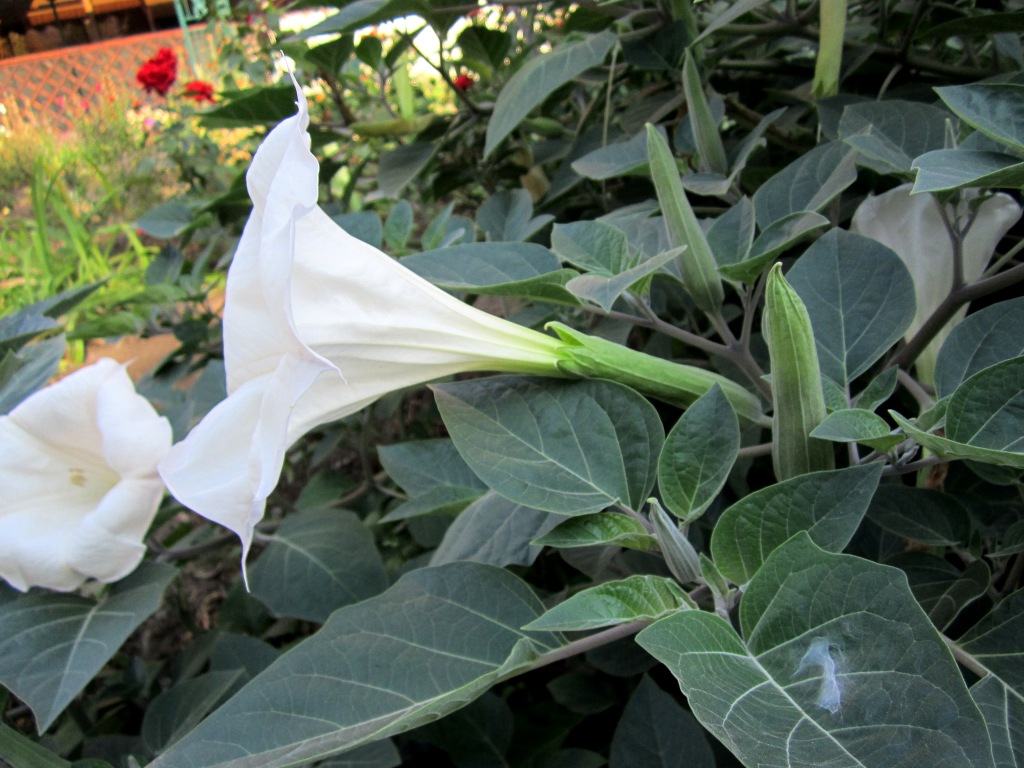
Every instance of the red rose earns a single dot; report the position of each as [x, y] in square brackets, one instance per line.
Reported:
[159, 72]
[199, 91]
[463, 82]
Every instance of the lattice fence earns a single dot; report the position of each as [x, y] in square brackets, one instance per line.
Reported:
[51, 89]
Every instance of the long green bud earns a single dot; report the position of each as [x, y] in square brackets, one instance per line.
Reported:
[705, 131]
[796, 382]
[593, 358]
[831, 31]
[697, 263]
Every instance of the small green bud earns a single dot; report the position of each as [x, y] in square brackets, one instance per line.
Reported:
[697, 264]
[796, 382]
[710, 149]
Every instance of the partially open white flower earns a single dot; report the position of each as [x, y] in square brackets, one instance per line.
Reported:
[78, 475]
[912, 226]
[318, 325]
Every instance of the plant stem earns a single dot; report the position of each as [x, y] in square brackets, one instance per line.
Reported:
[589, 642]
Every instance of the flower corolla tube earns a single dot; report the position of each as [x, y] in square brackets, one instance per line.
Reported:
[913, 226]
[78, 470]
[318, 325]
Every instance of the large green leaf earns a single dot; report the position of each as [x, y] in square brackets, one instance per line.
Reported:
[1004, 713]
[922, 515]
[419, 465]
[594, 246]
[539, 78]
[942, 589]
[777, 237]
[987, 410]
[860, 297]
[495, 531]
[946, 169]
[981, 339]
[837, 666]
[505, 268]
[656, 732]
[857, 425]
[890, 134]
[618, 158]
[807, 184]
[19, 751]
[402, 164]
[698, 454]
[317, 561]
[428, 645]
[179, 709]
[563, 447]
[995, 109]
[636, 598]
[600, 529]
[605, 290]
[828, 505]
[507, 216]
[53, 644]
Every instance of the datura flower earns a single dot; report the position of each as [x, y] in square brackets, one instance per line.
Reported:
[318, 325]
[78, 471]
[912, 225]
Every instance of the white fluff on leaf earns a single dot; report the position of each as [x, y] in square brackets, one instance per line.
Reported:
[913, 227]
[78, 470]
[318, 325]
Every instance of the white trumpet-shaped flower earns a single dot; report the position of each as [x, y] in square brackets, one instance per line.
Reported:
[912, 225]
[318, 325]
[78, 471]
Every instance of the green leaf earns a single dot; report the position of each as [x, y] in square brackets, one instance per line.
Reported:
[475, 736]
[362, 225]
[698, 455]
[995, 643]
[995, 109]
[402, 164]
[987, 410]
[539, 78]
[419, 465]
[809, 183]
[860, 297]
[605, 291]
[889, 134]
[167, 220]
[563, 447]
[856, 425]
[983, 338]
[593, 246]
[317, 561]
[260, 105]
[178, 710]
[28, 369]
[376, 754]
[637, 598]
[19, 751]
[600, 529]
[828, 505]
[777, 237]
[951, 449]
[838, 666]
[1004, 714]
[439, 500]
[494, 531]
[946, 169]
[455, 630]
[942, 589]
[656, 732]
[619, 158]
[878, 390]
[398, 225]
[731, 234]
[507, 216]
[54, 644]
[925, 516]
[728, 14]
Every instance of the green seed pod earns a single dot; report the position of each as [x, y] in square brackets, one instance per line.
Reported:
[831, 31]
[709, 141]
[796, 382]
[697, 263]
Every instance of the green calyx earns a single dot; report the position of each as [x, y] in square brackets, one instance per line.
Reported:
[593, 358]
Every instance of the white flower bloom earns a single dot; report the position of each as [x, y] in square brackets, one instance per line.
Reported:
[318, 325]
[78, 475]
[912, 226]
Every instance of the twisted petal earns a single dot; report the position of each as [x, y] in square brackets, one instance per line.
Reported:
[78, 469]
[317, 326]
[912, 225]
